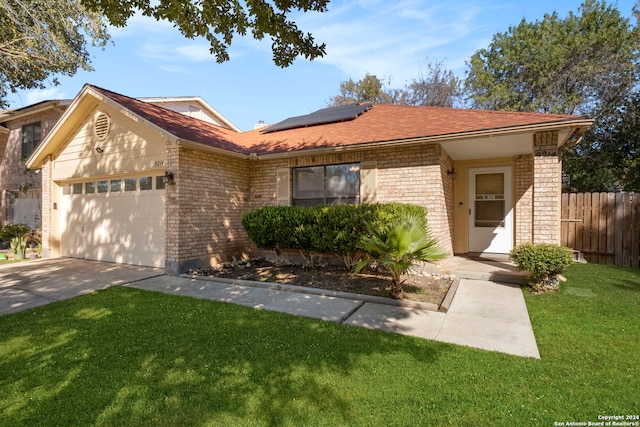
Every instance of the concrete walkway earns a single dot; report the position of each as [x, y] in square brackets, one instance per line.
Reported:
[487, 315]
[484, 314]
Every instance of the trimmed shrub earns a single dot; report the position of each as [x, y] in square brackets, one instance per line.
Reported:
[10, 231]
[333, 230]
[544, 262]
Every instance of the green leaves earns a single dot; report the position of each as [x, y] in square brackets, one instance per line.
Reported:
[39, 39]
[438, 88]
[572, 65]
[586, 63]
[399, 244]
[218, 21]
[333, 230]
[542, 261]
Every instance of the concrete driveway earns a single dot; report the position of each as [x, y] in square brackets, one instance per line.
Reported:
[34, 283]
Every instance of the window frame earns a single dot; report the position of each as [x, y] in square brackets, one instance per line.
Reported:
[32, 143]
[326, 198]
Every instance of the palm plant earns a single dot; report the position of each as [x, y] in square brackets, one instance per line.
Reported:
[398, 246]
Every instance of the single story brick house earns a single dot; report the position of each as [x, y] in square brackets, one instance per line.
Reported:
[132, 182]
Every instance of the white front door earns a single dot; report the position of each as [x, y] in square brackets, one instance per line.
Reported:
[491, 210]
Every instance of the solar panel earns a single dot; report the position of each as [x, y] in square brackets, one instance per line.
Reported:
[326, 115]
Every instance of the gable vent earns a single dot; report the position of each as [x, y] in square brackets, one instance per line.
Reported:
[102, 126]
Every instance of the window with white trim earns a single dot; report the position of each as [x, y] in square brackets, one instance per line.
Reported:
[326, 185]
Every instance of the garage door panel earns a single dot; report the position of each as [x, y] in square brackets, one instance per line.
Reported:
[123, 227]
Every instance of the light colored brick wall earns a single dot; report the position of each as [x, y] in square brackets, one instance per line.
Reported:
[211, 193]
[416, 175]
[172, 210]
[524, 199]
[47, 207]
[547, 187]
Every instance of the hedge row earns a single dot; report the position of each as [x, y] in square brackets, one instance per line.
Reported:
[323, 229]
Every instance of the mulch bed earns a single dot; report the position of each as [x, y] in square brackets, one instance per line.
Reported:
[430, 289]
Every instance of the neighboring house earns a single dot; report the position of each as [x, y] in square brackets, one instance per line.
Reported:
[131, 182]
[22, 130]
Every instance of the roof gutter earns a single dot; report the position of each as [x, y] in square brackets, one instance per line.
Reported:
[578, 124]
[215, 150]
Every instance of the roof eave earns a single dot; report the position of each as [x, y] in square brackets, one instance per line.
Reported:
[39, 107]
[210, 149]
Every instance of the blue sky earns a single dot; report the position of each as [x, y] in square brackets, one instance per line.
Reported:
[395, 40]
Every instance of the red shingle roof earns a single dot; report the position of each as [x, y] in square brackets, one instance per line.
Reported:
[393, 122]
[381, 123]
[179, 125]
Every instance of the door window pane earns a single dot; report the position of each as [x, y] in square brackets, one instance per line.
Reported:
[146, 183]
[116, 185]
[89, 187]
[130, 184]
[490, 213]
[77, 188]
[160, 182]
[103, 186]
[489, 200]
[490, 186]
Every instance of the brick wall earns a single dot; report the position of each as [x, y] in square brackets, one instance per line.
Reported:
[524, 199]
[12, 167]
[416, 175]
[47, 206]
[547, 188]
[211, 192]
[172, 211]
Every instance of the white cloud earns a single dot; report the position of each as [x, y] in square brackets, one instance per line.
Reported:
[197, 52]
[175, 52]
[139, 24]
[395, 39]
[38, 95]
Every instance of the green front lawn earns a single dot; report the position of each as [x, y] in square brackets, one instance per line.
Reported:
[128, 357]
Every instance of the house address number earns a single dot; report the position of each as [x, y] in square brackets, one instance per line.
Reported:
[544, 153]
[158, 163]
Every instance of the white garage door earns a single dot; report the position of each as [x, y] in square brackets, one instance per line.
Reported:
[119, 220]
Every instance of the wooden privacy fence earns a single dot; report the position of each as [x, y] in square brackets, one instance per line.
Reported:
[605, 227]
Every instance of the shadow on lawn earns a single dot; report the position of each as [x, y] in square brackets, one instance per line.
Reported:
[124, 356]
[627, 279]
